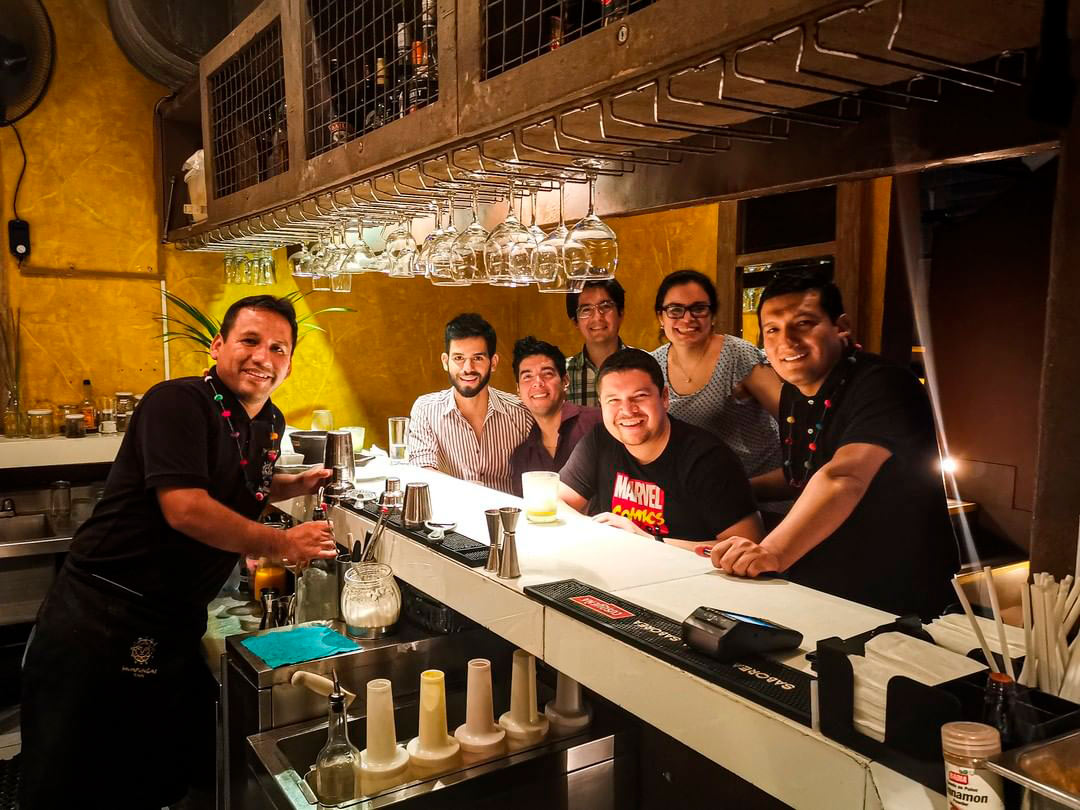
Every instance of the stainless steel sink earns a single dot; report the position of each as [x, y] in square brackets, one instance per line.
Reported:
[24, 527]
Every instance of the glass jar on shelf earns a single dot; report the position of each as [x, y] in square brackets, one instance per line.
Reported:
[125, 404]
[40, 422]
[74, 425]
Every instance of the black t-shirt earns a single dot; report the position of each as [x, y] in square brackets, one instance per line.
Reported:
[694, 489]
[896, 551]
[177, 437]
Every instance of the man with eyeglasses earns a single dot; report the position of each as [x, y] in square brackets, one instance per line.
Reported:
[597, 311]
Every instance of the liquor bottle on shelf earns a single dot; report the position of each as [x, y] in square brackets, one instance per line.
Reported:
[401, 72]
[555, 32]
[612, 10]
[279, 142]
[421, 87]
[429, 32]
[379, 109]
[87, 406]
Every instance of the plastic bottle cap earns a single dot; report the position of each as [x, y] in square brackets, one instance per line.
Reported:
[975, 740]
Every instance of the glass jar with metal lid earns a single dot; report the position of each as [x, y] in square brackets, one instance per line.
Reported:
[125, 404]
[41, 422]
[370, 600]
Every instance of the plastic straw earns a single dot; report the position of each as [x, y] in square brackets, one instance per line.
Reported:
[1039, 630]
[1052, 650]
[1027, 674]
[974, 625]
[996, 608]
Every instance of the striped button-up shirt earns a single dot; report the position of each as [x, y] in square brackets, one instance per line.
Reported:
[441, 437]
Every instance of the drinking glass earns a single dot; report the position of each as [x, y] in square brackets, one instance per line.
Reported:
[508, 250]
[230, 267]
[322, 420]
[440, 257]
[60, 500]
[360, 258]
[300, 262]
[341, 282]
[469, 265]
[398, 429]
[549, 263]
[601, 249]
[357, 438]
[540, 490]
[536, 231]
[420, 268]
[267, 270]
[401, 250]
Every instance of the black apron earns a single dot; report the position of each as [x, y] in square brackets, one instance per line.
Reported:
[118, 704]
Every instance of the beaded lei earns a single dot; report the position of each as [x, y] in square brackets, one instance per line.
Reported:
[829, 401]
[270, 454]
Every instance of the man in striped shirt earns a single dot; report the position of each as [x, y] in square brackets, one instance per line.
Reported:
[469, 430]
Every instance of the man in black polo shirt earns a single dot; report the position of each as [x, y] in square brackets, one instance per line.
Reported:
[870, 522]
[117, 702]
[652, 474]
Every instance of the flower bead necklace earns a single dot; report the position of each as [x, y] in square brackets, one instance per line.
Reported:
[813, 433]
[270, 454]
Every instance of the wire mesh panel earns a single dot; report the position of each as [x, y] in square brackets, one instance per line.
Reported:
[367, 62]
[247, 114]
[520, 30]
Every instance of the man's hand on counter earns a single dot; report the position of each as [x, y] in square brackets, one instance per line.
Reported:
[293, 486]
[620, 522]
[744, 557]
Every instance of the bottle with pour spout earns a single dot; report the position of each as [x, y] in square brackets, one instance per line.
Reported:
[337, 768]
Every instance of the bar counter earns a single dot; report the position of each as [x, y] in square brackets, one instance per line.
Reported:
[784, 758]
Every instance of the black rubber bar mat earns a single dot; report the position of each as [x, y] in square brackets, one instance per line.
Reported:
[455, 545]
[769, 683]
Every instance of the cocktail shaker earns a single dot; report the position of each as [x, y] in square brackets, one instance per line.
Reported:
[417, 507]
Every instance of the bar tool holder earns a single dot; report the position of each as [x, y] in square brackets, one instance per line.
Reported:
[524, 725]
[479, 734]
[568, 713]
[494, 527]
[508, 559]
[384, 763]
[433, 751]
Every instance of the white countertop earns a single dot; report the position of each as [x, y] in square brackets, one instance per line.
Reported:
[744, 737]
[58, 450]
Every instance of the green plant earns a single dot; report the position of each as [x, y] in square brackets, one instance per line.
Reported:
[202, 328]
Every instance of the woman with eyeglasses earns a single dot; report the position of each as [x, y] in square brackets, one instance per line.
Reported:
[717, 382]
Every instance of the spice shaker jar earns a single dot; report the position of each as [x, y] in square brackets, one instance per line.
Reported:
[370, 600]
[968, 782]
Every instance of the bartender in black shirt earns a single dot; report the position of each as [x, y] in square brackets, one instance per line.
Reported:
[651, 474]
[870, 522]
[117, 703]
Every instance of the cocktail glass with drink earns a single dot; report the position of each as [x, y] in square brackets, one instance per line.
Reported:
[541, 493]
[398, 428]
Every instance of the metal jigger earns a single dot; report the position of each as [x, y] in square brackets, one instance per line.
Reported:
[508, 561]
[494, 524]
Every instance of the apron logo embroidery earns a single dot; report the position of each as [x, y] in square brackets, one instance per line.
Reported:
[143, 650]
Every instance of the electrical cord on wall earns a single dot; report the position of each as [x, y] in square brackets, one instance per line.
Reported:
[15, 201]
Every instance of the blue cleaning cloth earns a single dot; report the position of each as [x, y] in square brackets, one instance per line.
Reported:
[298, 644]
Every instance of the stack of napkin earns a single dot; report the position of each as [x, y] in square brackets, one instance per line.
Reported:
[892, 654]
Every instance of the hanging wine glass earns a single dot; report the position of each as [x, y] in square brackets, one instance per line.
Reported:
[300, 262]
[401, 250]
[508, 250]
[536, 231]
[230, 268]
[267, 269]
[420, 268]
[601, 255]
[549, 267]
[469, 263]
[440, 258]
[359, 258]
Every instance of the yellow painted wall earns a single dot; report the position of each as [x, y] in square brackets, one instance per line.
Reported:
[88, 195]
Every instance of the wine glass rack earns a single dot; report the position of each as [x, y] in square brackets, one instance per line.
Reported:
[822, 70]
